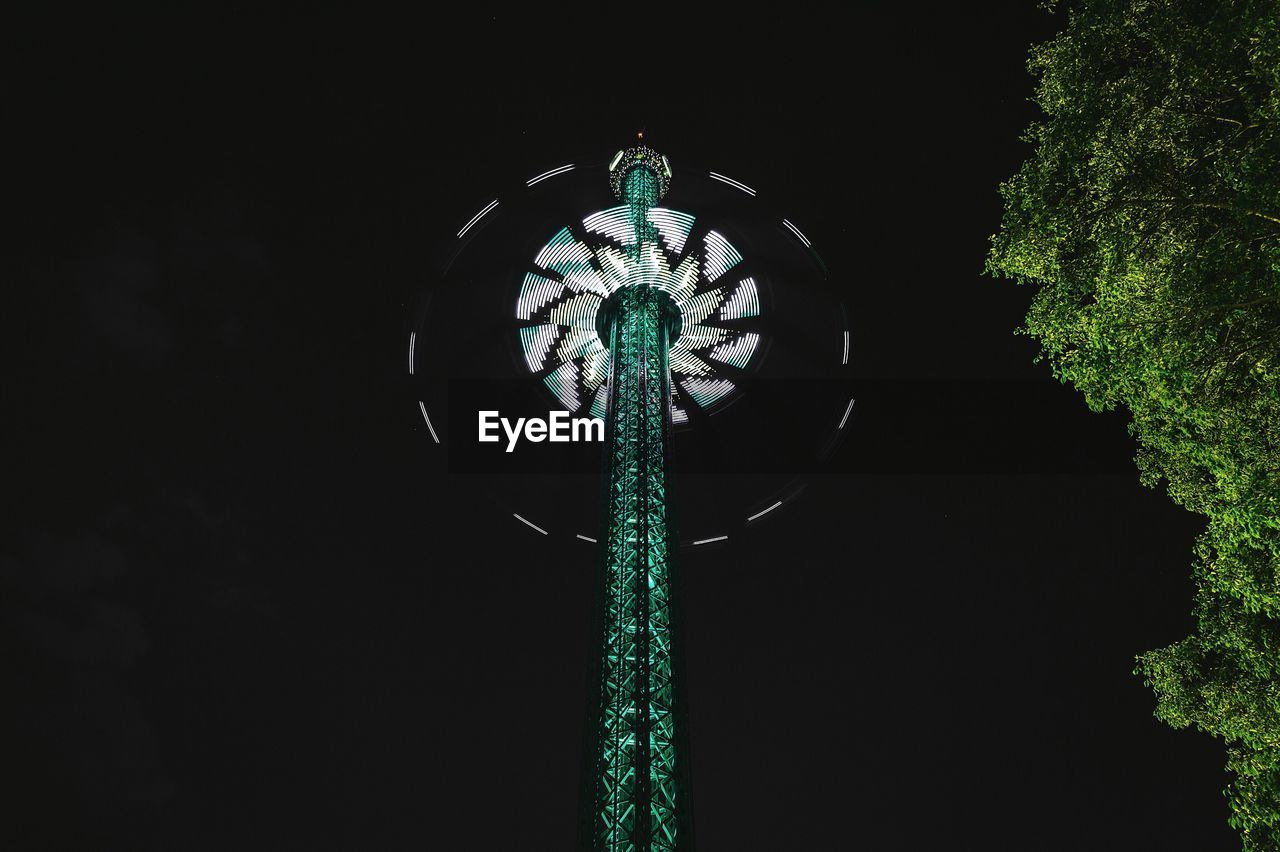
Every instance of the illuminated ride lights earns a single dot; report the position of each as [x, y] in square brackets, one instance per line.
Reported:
[637, 793]
[649, 318]
[575, 281]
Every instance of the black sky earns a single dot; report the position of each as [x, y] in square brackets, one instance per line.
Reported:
[246, 608]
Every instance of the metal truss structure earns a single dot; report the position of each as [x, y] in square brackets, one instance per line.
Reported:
[651, 318]
[637, 795]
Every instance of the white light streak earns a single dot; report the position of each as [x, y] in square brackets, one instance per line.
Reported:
[764, 511]
[697, 308]
[563, 382]
[845, 419]
[737, 352]
[705, 391]
[572, 261]
[586, 538]
[537, 341]
[673, 226]
[535, 293]
[413, 335]
[614, 223]
[796, 231]
[595, 366]
[617, 158]
[528, 523]
[561, 297]
[845, 359]
[476, 218]
[577, 343]
[600, 405]
[701, 337]
[423, 407]
[721, 256]
[710, 540]
[683, 362]
[745, 301]
[556, 171]
[736, 184]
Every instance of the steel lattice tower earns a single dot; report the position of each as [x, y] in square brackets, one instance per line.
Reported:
[637, 789]
[651, 318]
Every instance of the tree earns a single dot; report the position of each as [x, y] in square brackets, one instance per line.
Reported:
[1148, 220]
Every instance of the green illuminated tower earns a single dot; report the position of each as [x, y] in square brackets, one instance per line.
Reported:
[636, 795]
[650, 318]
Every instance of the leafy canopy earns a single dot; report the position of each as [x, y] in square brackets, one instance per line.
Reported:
[1148, 219]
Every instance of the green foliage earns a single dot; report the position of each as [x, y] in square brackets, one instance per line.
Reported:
[1148, 218]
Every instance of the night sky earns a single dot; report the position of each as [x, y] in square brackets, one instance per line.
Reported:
[246, 606]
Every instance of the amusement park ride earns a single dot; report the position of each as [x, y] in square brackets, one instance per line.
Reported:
[660, 320]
